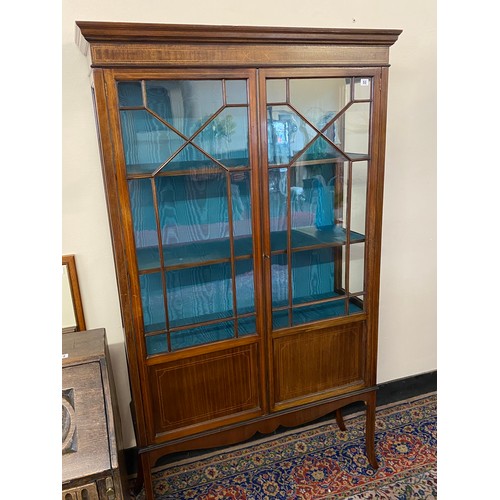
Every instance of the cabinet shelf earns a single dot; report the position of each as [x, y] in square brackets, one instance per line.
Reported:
[194, 167]
[308, 238]
[217, 251]
[194, 254]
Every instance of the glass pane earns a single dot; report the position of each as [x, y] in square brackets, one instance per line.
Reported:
[225, 138]
[280, 319]
[357, 128]
[158, 100]
[236, 92]
[247, 326]
[193, 217]
[184, 104]
[147, 142]
[287, 134]
[279, 280]
[276, 91]
[318, 99]
[359, 193]
[319, 204]
[313, 195]
[278, 208]
[156, 344]
[144, 222]
[153, 309]
[201, 335]
[190, 158]
[242, 213]
[356, 305]
[199, 294]
[318, 312]
[321, 149]
[245, 286]
[130, 94]
[313, 275]
[357, 268]
[362, 88]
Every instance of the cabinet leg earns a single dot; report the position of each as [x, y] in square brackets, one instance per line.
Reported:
[371, 406]
[147, 477]
[139, 480]
[339, 419]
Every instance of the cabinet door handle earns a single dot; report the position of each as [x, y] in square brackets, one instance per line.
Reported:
[110, 494]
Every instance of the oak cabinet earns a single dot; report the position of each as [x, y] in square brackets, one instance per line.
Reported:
[243, 169]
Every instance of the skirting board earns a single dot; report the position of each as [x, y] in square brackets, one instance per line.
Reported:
[388, 392]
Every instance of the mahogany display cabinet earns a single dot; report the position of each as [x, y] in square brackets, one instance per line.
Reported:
[243, 169]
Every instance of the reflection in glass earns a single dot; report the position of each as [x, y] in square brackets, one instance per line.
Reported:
[362, 88]
[357, 268]
[279, 280]
[185, 104]
[242, 215]
[190, 158]
[276, 91]
[278, 208]
[357, 128]
[318, 99]
[147, 142]
[287, 134]
[358, 195]
[321, 149]
[226, 137]
[236, 92]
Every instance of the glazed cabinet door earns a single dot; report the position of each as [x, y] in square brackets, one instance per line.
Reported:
[187, 176]
[318, 161]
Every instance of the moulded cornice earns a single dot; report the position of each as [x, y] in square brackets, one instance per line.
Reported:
[95, 32]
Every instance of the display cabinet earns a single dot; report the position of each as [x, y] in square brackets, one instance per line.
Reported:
[243, 169]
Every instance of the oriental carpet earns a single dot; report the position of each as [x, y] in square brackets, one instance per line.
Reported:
[318, 461]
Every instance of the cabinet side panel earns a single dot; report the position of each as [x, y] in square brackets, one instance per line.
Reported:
[193, 392]
[313, 365]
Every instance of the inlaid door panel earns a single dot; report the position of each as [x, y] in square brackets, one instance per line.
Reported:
[196, 393]
[318, 364]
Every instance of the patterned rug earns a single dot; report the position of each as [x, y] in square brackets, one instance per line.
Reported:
[318, 462]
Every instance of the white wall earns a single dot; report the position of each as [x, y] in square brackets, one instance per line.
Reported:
[407, 344]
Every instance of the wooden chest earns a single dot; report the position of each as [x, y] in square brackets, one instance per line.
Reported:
[92, 465]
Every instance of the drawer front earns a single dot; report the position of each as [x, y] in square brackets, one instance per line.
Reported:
[85, 447]
[314, 365]
[201, 392]
[85, 492]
